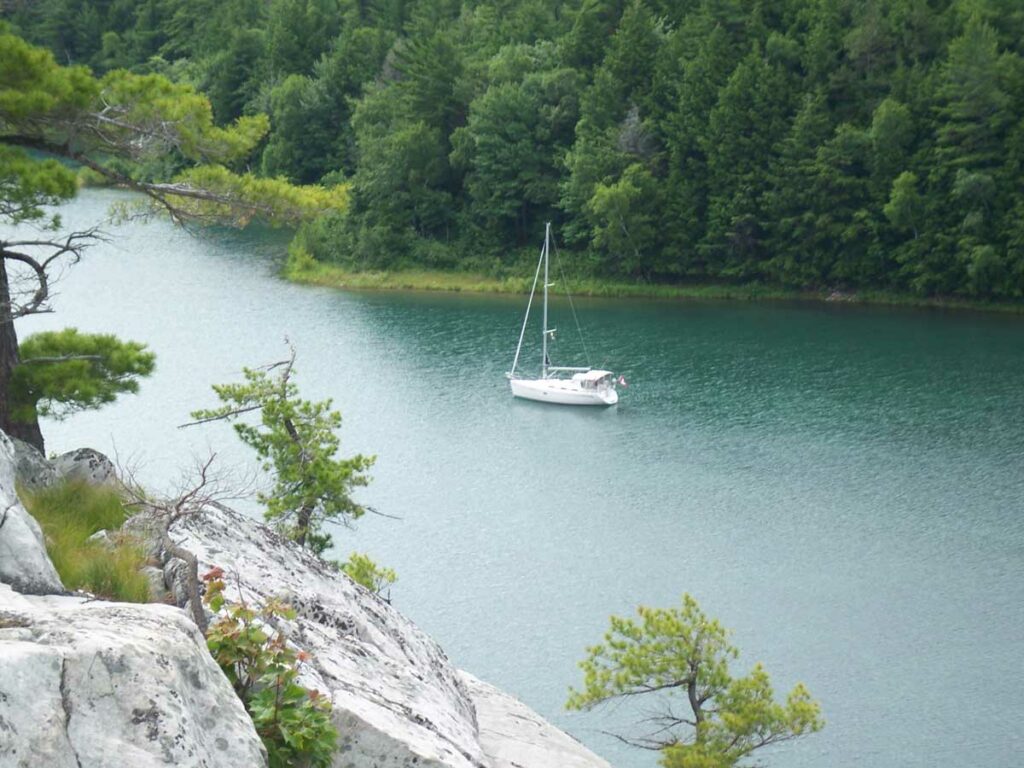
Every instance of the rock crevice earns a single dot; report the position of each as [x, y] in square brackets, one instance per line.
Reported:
[65, 702]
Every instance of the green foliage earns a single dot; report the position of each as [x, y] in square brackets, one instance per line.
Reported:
[69, 513]
[302, 144]
[298, 32]
[297, 443]
[699, 141]
[137, 114]
[904, 209]
[150, 104]
[683, 652]
[516, 134]
[624, 224]
[150, 128]
[33, 85]
[294, 722]
[229, 76]
[239, 198]
[363, 570]
[62, 372]
[135, 129]
[28, 185]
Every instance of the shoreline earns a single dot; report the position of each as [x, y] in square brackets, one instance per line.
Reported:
[309, 272]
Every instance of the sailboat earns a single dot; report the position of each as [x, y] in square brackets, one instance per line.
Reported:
[565, 385]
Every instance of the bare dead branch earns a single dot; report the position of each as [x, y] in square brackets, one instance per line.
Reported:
[200, 487]
[222, 416]
[377, 512]
[654, 746]
[38, 288]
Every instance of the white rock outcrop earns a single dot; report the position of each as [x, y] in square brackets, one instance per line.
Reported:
[514, 736]
[98, 685]
[24, 563]
[398, 701]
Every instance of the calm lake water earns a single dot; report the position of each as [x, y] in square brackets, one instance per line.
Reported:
[842, 486]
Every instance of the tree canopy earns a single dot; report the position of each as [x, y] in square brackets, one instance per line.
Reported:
[62, 372]
[841, 144]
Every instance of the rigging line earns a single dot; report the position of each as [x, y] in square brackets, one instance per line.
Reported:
[579, 330]
[526, 317]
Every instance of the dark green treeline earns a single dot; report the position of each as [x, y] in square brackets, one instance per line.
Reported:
[805, 143]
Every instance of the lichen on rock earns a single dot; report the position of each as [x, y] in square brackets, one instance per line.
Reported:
[111, 684]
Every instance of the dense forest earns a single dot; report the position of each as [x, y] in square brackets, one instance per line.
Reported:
[841, 144]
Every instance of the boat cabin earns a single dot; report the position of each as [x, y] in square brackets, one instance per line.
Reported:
[593, 379]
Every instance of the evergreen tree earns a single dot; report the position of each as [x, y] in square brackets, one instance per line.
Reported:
[682, 653]
[792, 205]
[297, 442]
[69, 113]
[748, 120]
[302, 144]
[511, 148]
[62, 372]
[748, 140]
[691, 83]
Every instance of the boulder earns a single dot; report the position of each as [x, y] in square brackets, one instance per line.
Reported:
[111, 684]
[24, 563]
[398, 701]
[155, 576]
[31, 468]
[85, 465]
[104, 538]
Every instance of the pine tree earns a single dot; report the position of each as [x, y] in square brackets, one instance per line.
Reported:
[297, 442]
[681, 653]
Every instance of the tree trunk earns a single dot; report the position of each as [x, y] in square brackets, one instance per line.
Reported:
[305, 516]
[9, 360]
[195, 595]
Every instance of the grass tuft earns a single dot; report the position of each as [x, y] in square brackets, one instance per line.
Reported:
[69, 514]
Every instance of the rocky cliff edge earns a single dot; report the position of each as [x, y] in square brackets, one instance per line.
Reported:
[79, 679]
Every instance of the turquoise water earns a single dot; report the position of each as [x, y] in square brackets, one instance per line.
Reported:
[841, 486]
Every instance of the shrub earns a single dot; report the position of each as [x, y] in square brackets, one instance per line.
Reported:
[293, 722]
[363, 570]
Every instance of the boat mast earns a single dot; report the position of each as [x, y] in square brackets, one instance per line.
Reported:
[526, 317]
[544, 353]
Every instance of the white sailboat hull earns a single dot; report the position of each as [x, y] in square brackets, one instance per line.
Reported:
[562, 392]
[587, 386]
